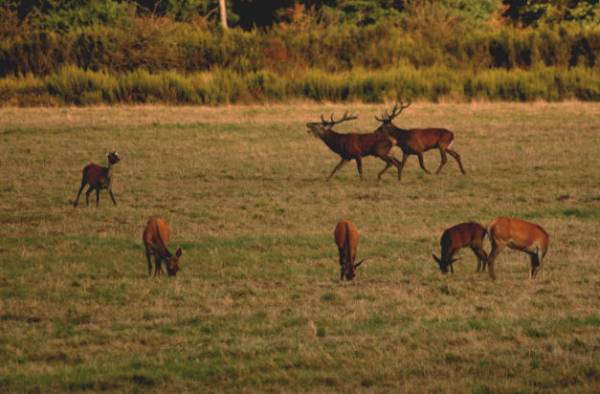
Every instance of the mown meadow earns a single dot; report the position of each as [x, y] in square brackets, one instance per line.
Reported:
[258, 305]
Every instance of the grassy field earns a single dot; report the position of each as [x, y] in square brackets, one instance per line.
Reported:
[257, 305]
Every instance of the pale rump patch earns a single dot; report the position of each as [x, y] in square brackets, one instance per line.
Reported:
[450, 145]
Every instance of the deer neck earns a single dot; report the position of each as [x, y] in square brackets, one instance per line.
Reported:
[398, 133]
[109, 173]
[333, 140]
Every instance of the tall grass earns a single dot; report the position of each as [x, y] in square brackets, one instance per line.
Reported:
[72, 85]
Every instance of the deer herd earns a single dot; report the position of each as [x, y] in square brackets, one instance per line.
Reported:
[502, 231]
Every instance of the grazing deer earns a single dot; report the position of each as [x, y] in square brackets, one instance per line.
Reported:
[460, 236]
[156, 238]
[346, 238]
[520, 235]
[417, 141]
[354, 146]
[98, 178]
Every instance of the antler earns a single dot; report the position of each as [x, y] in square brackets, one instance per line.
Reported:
[334, 122]
[398, 108]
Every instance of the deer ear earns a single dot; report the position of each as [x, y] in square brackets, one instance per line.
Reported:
[178, 253]
[436, 259]
[359, 263]
[452, 261]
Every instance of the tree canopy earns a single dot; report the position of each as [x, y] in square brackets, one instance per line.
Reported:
[250, 14]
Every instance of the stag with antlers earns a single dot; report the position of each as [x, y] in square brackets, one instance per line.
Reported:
[417, 141]
[354, 146]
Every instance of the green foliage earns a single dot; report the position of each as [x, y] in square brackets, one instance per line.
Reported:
[76, 86]
[537, 13]
[73, 85]
[428, 50]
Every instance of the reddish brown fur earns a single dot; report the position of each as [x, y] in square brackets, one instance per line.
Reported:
[156, 238]
[520, 235]
[98, 178]
[346, 239]
[418, 141]
[457, 237]
[355, 146]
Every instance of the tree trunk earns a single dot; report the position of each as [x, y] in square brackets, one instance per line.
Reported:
[223, 10]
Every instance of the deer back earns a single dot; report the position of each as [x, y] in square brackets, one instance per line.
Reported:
[346, 238]
[96, 175]
[464, 234]
[517, 232]
[156, 236]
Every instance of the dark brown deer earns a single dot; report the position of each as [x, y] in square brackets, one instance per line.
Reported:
[354, 146]
[520, 235]
[98, 178]
[417, 141]
[346, 239]
[156, 238]
[457, 237]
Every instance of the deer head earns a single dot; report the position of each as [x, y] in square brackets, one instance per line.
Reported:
[173, 264]
[113, 157]
[443, 266]
[397, 110]
[350, 270]
[320, 129]
[386, 119]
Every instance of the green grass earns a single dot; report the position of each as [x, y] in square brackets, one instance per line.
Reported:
[257, 305]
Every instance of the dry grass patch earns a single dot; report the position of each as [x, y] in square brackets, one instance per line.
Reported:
[257, 305]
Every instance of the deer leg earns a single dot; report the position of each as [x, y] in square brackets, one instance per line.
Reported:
[532, 265]
[359, 167]
[111, 196]
[388, 165]
[448, 260]
[421, 163]
[78, 194]
[444, 160]
[340, 165]
[87, 195]
[496, 249]
[157, 266]
[148, 254]
[97, 196]
[395, 162]
[404, 159]
[456, 156]
[540, 256]
[481, 256]
[536, 263]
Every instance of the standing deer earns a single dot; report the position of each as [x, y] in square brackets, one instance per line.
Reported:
[346, 239]
[156, 238]
[354, 146]
[520, 235]
[98, 178]
[455, 238]
[417, 141]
